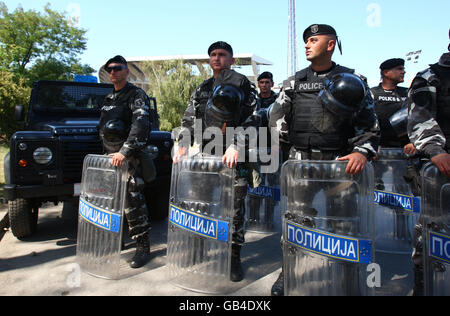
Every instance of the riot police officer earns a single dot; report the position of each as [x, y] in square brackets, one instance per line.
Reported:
[389, 98]
[124, 129]
[325, 112]
[429, 130]
[266, 97]
[228, 99]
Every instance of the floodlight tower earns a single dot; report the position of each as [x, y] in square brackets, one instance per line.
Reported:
[292, 41]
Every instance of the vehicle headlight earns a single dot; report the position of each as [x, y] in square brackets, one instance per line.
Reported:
[42, 155]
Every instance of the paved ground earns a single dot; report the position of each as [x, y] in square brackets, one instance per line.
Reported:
[45, 265]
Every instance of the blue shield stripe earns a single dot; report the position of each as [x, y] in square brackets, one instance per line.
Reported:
[99, 217]
[439, 246]
[327, 244]
[406, 202]
[198, 224]
[266, 192]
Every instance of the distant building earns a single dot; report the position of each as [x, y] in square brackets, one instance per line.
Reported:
[138, 78]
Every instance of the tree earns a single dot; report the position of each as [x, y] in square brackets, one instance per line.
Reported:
[12, 92]
[34, 46]
[32, 42]
[172, 83]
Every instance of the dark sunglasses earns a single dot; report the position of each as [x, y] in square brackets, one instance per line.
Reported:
[115, 68]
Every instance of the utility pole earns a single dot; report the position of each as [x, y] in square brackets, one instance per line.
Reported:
[292, 64]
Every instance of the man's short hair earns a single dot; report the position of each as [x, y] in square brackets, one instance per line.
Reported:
[266, 75]
[220, 45]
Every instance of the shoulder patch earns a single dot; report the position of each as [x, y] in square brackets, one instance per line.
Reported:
[289, 83]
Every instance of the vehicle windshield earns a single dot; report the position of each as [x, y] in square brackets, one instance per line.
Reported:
[70, 98]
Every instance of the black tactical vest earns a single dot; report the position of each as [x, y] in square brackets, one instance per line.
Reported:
[314, 127]
[116, 107]
[387, 103]
[202, 97]
[443, 100]
[266, 102]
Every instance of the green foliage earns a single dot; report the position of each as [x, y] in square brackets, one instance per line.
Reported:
[31, 42]
[34, 46]
[172, 84]
[12, 92]
[52, 69]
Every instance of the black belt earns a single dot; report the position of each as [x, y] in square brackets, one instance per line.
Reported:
[318, 154]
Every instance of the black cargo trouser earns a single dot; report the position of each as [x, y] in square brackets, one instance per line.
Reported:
[136, 210]
[246, 174]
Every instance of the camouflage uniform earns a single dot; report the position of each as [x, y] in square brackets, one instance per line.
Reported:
[266, 102]
[423, 126]
[245, 174]
[428, 130]
[130, 105]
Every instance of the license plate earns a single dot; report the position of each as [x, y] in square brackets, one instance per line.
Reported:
[76, 189]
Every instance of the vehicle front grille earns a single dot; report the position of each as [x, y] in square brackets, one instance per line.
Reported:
[73, 153]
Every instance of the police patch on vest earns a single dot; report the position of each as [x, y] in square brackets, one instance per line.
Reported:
[198, 224]
[310, 86]
[329, 245]
[390, 99]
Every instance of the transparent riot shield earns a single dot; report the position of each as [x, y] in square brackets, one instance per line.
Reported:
[435, 218]
[100, 219]
[396, 208]
[200, 224]
[263, 205]
[328, 231]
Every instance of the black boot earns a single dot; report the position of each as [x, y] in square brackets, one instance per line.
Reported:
[142, 255]
[237, 274]
[278, 286]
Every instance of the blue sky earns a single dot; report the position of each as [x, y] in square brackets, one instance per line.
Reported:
[371, 31]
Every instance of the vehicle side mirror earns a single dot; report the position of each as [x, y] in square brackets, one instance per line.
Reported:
[19, 113]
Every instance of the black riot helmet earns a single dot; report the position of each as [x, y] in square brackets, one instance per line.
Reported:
[343, 94]
[223, 106]
[227, 97]
[399, 122]
[114, 131]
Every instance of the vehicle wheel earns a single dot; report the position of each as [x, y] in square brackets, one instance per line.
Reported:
[23, 217]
